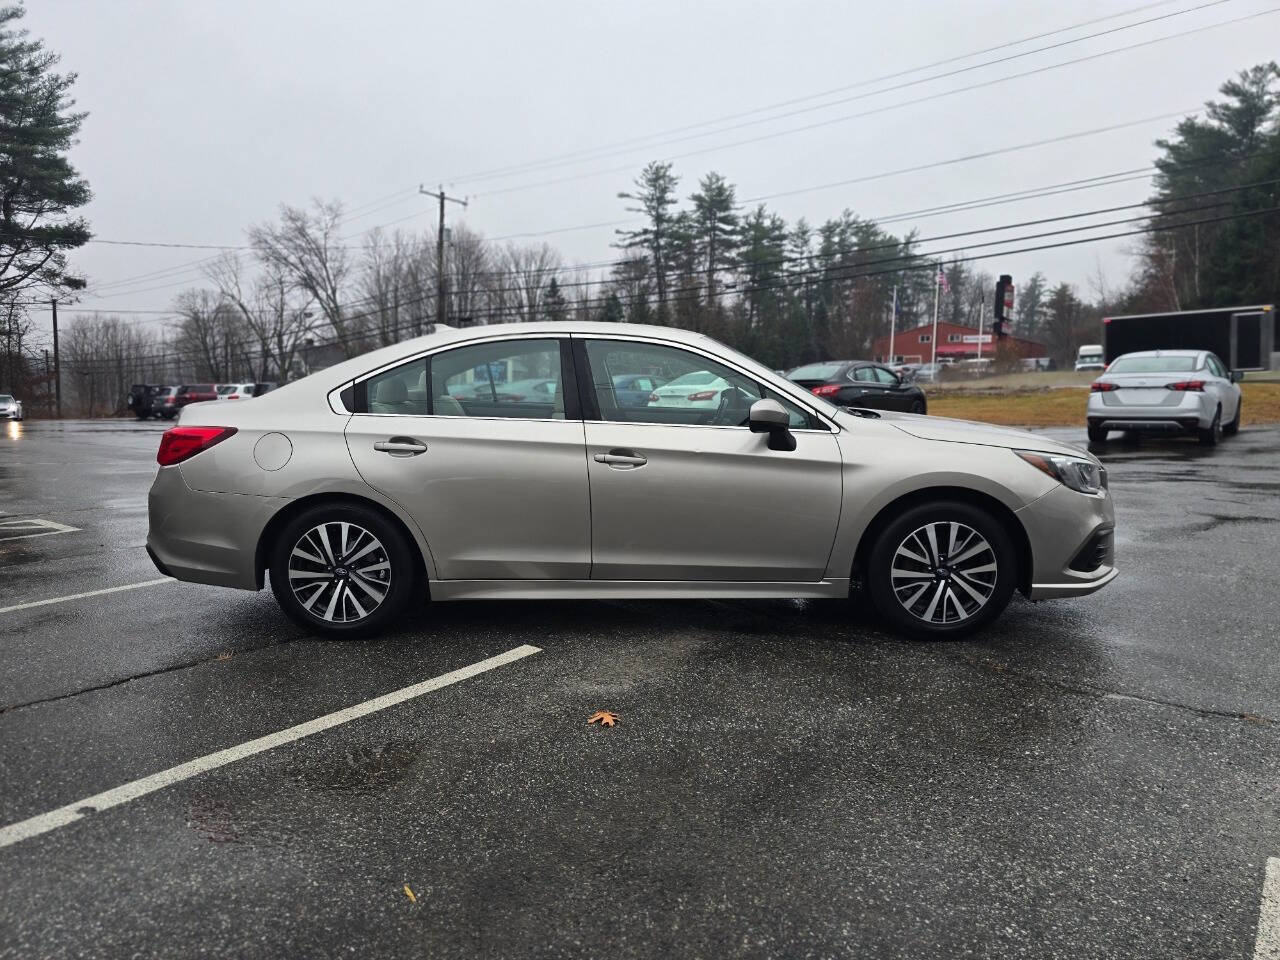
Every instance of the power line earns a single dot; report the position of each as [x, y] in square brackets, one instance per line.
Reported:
[512, 171]
[922, 260]
[583, 153]
[884, 109]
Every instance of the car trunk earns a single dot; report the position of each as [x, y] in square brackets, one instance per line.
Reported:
[1144, 389]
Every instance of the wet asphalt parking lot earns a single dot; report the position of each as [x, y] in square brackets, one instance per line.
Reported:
[1097, 777]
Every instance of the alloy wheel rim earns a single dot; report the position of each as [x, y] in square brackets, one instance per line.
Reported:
[339, 572]
[944, 572]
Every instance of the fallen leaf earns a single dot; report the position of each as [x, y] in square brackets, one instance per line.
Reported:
[409, 893]
[605, 718]
[224, 656]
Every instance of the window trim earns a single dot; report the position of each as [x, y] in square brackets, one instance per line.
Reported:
[360, 387]
[591, 404]
[828, 424]
[924, 338]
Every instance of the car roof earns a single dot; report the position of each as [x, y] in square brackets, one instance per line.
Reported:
[1163, 353]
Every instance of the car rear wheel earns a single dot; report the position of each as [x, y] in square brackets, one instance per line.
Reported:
[342, 570]
[942, 570]
[1213, 434]
[1232, 428]
[1098, 434]
[917, 406]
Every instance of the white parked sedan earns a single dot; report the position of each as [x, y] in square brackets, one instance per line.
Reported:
[1166, 391]
[699, 390]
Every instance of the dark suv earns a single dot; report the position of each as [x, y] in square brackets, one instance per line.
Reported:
[141, 399]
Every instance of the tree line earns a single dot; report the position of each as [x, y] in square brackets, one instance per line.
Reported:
[300, 295]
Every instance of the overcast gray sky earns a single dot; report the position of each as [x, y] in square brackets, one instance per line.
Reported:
[204, 117]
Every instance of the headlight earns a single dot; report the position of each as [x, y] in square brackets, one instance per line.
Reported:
[1075, 472]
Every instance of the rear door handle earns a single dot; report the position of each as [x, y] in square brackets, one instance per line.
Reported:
[400, 447]
[621, 458]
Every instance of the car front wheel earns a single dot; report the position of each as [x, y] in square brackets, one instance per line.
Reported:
[942, 570]
[343, 570]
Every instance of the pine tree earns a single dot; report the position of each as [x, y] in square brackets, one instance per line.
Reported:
[655, 195]
[715, 228]
[556, 306]
[38, 186]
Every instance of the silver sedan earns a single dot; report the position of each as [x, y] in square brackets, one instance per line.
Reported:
[1166, 391]
[396, 476]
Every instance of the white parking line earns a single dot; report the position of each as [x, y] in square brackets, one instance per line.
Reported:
[31, 527]
[72, 812]
[90, 593]
[1267, 946]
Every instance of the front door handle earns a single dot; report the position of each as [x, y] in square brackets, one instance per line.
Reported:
[401, 447]
[621, 458]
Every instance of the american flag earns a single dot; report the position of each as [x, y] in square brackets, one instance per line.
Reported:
[942, 280]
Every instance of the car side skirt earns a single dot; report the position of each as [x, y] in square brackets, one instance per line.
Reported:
[634, 589]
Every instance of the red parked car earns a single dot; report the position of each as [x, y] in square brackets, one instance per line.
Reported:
[194, 393]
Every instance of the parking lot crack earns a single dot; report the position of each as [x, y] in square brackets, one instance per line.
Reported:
[1082, 688]
[121, 681]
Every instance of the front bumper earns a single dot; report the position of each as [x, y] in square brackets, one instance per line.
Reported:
[1072, 543]
[10, 414]
[206, 537]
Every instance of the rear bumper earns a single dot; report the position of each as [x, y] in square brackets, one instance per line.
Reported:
[206, 537]
[1194, 411]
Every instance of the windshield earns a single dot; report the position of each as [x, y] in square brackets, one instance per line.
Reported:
[5, 398]
[1152, 365]
[815, 371]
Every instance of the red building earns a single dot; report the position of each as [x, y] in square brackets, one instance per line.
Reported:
[954, 341]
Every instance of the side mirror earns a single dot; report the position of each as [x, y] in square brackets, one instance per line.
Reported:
[1237, 376]
[769, 416]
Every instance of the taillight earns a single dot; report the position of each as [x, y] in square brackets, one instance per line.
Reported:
[183, 443]
[1196, 386]
[234, 396]
[1101, 386]
[702, 395]
[827, 390]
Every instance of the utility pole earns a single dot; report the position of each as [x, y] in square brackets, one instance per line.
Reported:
[440, 278]
[57, 369]
[48, 386]
[933, 340]
[893, 323]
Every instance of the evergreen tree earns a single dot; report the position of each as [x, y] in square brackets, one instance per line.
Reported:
[716, 228]
[38, 185]
[655, 195]
[556, 306]
[613, 312]
[1235, 261]
[1028, 304]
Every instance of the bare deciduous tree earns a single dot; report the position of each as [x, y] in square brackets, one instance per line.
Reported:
[305, 247]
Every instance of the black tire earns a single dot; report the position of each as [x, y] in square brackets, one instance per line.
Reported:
[900, 531]
[1211, 436]
[403, 575]
[168, 416]
[1232, 428]
[1098, 434]
[918, 406]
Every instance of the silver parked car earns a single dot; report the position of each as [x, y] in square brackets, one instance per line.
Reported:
[10, 407]
[1166, 391]
[391, 477]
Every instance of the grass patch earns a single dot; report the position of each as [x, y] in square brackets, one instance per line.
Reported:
[1065, 407]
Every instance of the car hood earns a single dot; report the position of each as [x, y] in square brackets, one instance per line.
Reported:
[946, 430]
